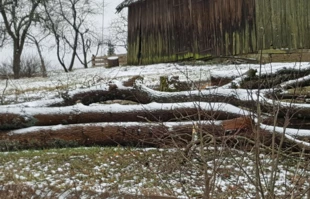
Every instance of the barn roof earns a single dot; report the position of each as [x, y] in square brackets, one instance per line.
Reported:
[125, 3]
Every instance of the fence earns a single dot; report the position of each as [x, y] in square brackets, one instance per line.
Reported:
[102, 61]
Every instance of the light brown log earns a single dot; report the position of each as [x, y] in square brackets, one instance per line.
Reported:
[238, 124]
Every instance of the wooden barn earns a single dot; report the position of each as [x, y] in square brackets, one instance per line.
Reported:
[174, 30]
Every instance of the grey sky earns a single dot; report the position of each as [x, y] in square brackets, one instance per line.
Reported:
[109, 14]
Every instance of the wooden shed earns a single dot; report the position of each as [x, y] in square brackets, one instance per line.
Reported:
[174, 30]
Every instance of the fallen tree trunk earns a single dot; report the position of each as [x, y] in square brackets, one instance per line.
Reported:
[141, 94]
[83, 133]
[144, 95]
[126, 133]
[171, 134]
[17, 118]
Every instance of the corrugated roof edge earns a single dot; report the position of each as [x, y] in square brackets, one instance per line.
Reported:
[124, 4]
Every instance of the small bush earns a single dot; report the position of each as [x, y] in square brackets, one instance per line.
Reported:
[30, 67]
[5, 69]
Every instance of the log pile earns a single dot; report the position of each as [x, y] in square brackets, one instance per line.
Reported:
[158, 119]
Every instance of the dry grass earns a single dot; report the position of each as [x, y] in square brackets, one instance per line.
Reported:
[114, 172]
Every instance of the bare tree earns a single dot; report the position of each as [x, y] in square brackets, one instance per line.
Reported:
[66, 20]
[3, 36]
[88, 40]
[36, 40]
[118, 31]
[18, 16]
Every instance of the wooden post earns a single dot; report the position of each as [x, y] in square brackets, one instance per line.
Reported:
[93, 62]
[163, 83]
[113, 61]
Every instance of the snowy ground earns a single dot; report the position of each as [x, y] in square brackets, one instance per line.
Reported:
[28, 89]
[96, 171]
[93, 172]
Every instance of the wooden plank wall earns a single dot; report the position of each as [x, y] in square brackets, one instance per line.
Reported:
[172, 30]
[283, 24]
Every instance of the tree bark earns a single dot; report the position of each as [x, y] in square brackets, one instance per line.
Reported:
[17, 118]
[172, 134]
[16, 59]
[81, 120]
[42, 66]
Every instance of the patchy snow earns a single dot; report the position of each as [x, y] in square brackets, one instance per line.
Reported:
[121, 171]
[25, 89]
[33, 95]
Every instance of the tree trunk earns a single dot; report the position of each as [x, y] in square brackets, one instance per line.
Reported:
[172, 134]
[45, 123]
[18, 118]
[135, 134]
[42, 66]
[74, 48]
[60, 59]
[16, 60]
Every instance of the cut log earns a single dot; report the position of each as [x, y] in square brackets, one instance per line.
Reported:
[26, 117]
[180, 106]
[144, 95]
[113, 61]
[135, 134]
[172, 134]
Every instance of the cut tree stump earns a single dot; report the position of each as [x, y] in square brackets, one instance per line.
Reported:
[113, 61]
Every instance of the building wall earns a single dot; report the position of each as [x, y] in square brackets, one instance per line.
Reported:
[172, 30]
[283, 24]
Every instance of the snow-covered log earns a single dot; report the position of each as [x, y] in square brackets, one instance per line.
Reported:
[232, 133]
[139, 93]
[21, 117]
[120, 133]
[75, 117]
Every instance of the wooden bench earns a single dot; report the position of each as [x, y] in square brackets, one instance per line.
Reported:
[102, 61]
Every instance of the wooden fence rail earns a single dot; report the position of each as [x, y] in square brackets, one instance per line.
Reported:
[102, 61]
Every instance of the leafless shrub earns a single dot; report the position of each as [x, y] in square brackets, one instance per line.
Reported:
[5, 69]
[30, 67]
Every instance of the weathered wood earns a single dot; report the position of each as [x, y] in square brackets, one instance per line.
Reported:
[103, 61]
[168, 31]
[112, 61]
[164, 31]
[99, 61]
